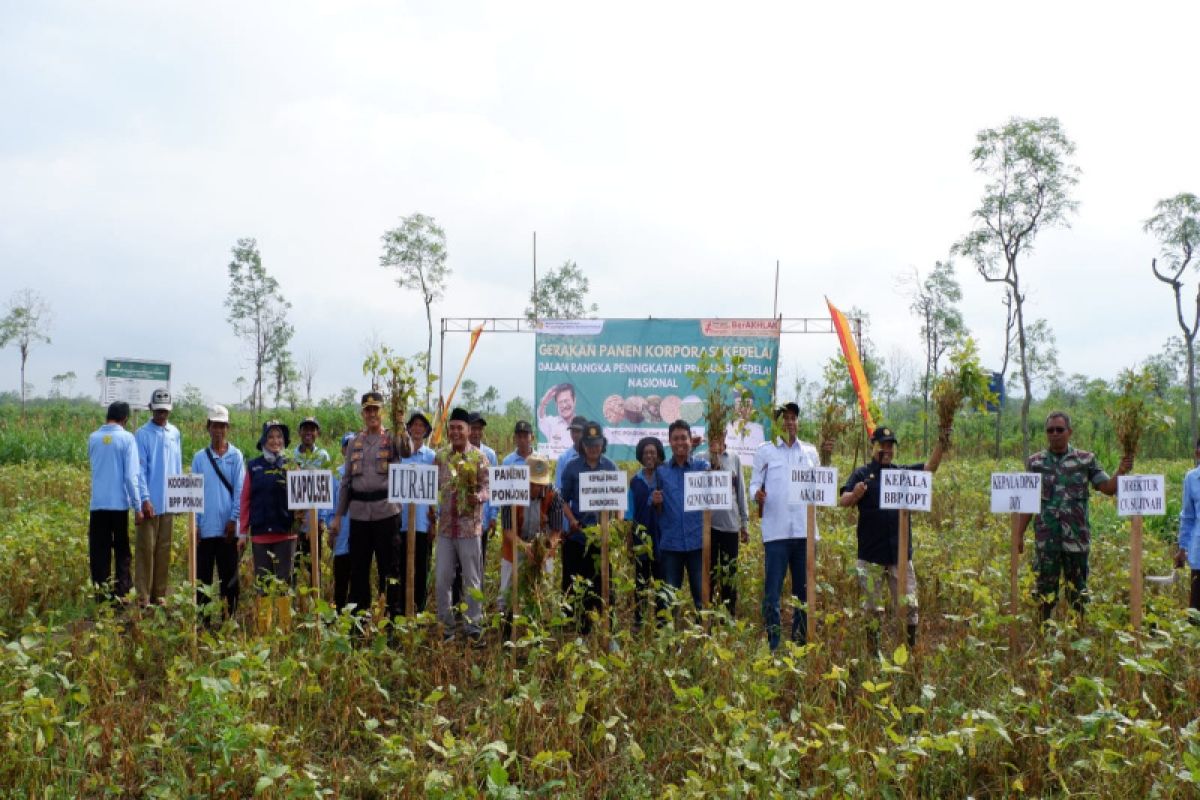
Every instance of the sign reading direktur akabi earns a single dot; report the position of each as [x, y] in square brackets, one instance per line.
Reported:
[816, 485]
[634, 377]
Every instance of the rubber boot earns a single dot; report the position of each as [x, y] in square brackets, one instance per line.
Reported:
[912, 636]
[283, 612]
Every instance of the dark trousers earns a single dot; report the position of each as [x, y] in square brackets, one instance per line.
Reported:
[420, 570]
[780, 557]
[374, 541]
[108, 540]
[674, 562]
[341, 581]
[645, 572]
[221, 553]
[1195, 598]
[724, 569]
[581, 583]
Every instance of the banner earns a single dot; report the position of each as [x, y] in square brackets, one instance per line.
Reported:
[634, 377]
[858, 376]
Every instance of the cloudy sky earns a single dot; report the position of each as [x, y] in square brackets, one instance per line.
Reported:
[674, 150]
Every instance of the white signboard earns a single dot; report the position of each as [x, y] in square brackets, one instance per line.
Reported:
[1141, 495]
[185, 494]
[602, 491]
[509, 486]
[815, 485]
[906, 489]
[309, 488]
[134, 380]
[708, 491]
[413, 483]
[1016, 492]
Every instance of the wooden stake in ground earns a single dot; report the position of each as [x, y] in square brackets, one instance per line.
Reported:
[810, 570]
[706, 561]
[314, 555]
[604, 568]
[902, 572]
[410, 563]
[1014, 581]
[191, 529]
[1017, 494]
[1138, 496]
[1135, 573]
[812, 486]
[906, 491]
[516, 574]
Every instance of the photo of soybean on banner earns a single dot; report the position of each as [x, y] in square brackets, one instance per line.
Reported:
[634, 377]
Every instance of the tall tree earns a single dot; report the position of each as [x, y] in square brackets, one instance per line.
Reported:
[308, 372]
[26, 324]
[934, 303]
[258, 313]
[416, 248]
[1176, 225]
[561, 294]
[1010, 319]
[1029, 183]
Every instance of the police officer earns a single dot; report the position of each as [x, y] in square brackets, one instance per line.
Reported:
[374, 532]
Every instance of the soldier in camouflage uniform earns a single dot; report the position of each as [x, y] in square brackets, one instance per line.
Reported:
[1063, 535]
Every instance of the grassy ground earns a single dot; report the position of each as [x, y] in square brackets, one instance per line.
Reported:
[92, 705]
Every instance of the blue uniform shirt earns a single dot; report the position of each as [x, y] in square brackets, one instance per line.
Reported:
[639, 509]
[489, 511]
[160, 453]
[116, 481]
[680, 530]
[220, 506]
[424, 455]
[1188, 540]
[342, 546]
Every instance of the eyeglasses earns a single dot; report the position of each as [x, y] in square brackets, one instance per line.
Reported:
[1056, 430]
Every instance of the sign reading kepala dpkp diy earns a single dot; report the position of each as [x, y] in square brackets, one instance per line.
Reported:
[508, 485]
[309, 488]
[413, 483]
[1143, 495]
[1016, 492]
[602, 491]
[634, 377]
[910, 489]
[185, 494]
[816, 485]
[707, 491]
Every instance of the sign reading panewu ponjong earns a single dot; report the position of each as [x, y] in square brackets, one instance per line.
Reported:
[634, 377]
[509, 485]
[185, 494]
[413, 483]
[707, 491]
[1141, 495]
[816, 485]
[309, 488]
[602, 491]
[1016, 492]
[906, 489]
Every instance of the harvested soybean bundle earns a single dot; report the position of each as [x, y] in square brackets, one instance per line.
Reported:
[834, 422]
[1128, 411]
[965, 380]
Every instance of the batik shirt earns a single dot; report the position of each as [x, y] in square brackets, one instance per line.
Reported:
[1065, 488]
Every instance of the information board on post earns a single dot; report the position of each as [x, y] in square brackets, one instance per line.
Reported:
[815, 485]
[602, 491]
[413, 483]
[911, 490]
[1141, 495]
[708, 491]
[133, 380]
[509, 485]
[185, 494]
[1016, 492]
[310, 489]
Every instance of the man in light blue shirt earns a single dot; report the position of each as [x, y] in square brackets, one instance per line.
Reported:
[112, 452]
[1189, 542]
[341, 542]
[223, 468]
[680, 533]
[160, 453]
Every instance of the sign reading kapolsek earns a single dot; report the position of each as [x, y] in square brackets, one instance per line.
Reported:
[1016, 492]
[707, 491]
[816, 485]
[309, 488]
[185, 494]
[509, 485]
[413, 483]
[602, 491]
[1141, 495]
[906, 489]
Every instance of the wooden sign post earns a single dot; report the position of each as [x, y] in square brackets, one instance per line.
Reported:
[311, 490]
[185, 495]
[508, 487]
[1138, 496]
[604, 492]
[706, 492]
[812, 487]
[412, 485]
[1015, 494]
[906, 491]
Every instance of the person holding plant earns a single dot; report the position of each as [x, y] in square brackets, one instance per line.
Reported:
[308, 455]
[879, 533]
[730, 527]
[374, 534]
[529, 531]
[1188, 553]
[223, 468]
[1062, 530]
[642, 515]
[160, 453]
[784, 526]
[681, 533]
[581, 557]
[113, 454]
[264, 516]
[463, 485]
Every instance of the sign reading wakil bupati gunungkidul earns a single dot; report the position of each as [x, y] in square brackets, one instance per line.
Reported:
[1141, 495]
[634, 377]
[309, 488]
[816, 485]
[707, 491]
[509, 485]
[185, 494]
[909, 489]
[602, 491]
[413, 483]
